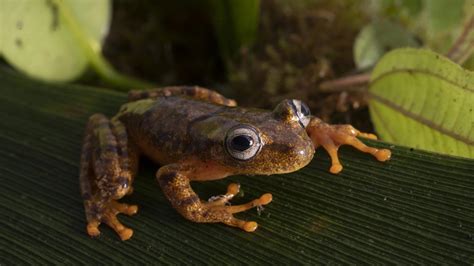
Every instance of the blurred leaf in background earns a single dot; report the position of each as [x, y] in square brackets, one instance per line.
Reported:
[37, 41]
[235, 23]
[421, 99]
[57, 40]
[437, 23]
[444, 21]
[377, 38]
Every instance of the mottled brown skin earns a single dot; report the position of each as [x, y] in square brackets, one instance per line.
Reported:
[184, 130]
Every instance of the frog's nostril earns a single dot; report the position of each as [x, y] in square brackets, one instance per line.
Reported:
[304, 153]
[303, 150]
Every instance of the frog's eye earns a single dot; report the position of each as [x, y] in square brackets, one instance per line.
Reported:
[302, 111]
[243, 142]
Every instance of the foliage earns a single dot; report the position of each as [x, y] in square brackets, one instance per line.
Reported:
[418, 208]
[299, 44]
[57, 40]
[235, 24]
[375, 39]
[37, 41]
[436, 23]
[421, 99]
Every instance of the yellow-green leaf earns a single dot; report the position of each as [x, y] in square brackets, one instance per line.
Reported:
[36, 39]
[423, 100]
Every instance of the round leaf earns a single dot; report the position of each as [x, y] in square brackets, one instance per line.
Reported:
[36, 40]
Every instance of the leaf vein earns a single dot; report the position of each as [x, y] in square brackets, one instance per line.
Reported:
[421, 119]
[418, 71]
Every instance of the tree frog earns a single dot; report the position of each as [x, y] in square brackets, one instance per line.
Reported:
[197, 134]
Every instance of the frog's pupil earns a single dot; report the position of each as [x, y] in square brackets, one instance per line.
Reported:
[241, 143]
[305, 110]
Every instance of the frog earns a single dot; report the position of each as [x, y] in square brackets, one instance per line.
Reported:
[196, 134]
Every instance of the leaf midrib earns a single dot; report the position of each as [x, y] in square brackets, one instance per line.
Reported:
[420, 119]
[418, 71]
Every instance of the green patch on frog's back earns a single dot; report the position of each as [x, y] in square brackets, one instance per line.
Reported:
[137, 107]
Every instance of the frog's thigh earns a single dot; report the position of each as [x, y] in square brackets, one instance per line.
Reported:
[176, 187]
[178, 191]
[191, 91]
[105, 175]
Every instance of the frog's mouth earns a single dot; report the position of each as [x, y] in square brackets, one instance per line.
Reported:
[280, 159]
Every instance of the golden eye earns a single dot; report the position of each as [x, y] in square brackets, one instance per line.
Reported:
[243, 142]
[302, 111]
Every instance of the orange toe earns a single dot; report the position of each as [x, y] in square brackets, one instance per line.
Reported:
[250, 226]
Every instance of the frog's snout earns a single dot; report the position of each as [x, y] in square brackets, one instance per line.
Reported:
[295, 156]
[303, 153]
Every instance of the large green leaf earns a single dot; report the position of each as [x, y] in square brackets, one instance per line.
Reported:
[421, 99]
[38, 41]
[416, 208]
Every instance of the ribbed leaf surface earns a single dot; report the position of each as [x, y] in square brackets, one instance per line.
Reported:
[421, 99]
[417, 208]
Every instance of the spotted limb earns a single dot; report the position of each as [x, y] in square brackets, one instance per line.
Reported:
[174, 181]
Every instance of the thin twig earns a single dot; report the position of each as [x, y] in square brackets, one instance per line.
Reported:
[456, 52]
[353, 82]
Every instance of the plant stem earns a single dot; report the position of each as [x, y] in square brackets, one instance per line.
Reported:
[345, 83]
[92, 50]
[463, 47]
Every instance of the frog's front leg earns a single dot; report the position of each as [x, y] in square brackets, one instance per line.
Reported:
[174, 180]
[333, 136]
[107, 168]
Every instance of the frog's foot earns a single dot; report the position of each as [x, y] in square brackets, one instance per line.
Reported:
[107, 170]
[108, 215]
[224, 213]
[331, 137]
[175, 184]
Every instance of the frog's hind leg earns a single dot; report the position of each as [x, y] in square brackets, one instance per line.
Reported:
[331, 137]
[191, 91]
[175, 185]
[106, 172]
